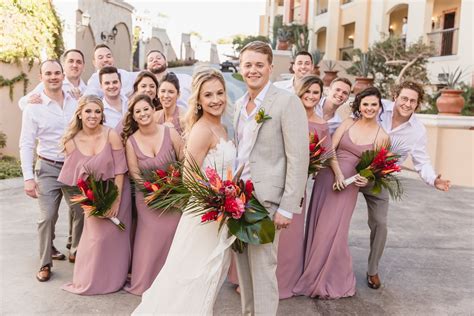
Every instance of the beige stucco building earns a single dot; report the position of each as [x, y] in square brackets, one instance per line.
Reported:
[338, 26]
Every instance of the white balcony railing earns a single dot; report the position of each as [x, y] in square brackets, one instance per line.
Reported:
[445, 42]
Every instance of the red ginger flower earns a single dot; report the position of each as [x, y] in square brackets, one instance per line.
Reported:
[161, 173]
[82, 185]
[248, 189]
[90, 195]
[209, 216]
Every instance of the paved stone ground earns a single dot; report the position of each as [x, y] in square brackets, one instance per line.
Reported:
[427, 268]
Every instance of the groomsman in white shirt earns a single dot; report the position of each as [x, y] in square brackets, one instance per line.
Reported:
[302, 66]
[339, 92]
[43, 126]
[103, 57]
[157, 64]
[73, 63]
[408, 134]
[115, 104]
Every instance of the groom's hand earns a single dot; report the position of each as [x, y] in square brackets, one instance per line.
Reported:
[281, 221]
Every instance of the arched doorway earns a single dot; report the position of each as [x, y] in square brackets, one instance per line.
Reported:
[121, 46]
[397, 18]
[321, 40]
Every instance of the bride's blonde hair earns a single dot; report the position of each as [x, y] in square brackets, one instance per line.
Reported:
[195, 111]
[76, 124]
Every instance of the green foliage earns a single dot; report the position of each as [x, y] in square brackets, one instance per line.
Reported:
[452, 78]
[317, 56]
[296, 34]
[237, 76]
[11, 82]
[3, 139]
[391, 61]
[361, 63]
[28, 27]
[277, 24]
[330, 65]
[9, 167]
[239, 41]
[468, 95]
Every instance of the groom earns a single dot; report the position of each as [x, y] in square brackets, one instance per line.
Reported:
[272, 138]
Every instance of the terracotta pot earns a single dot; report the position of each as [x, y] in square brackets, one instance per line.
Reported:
[361, 84]
[450, 102]
[283, 45]
[316, 71]
[329, 76]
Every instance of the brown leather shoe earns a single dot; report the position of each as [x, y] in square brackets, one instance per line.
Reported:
[56, 255]
[72, 258]
[373, 281]
[44, 274]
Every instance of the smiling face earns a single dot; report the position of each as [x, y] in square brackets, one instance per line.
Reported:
[156, 63]
[143, 113]
[147, 86]
[111, 85]
[369, 107]
[52, 76]
[168, 94]
[255, 69]
[73, 65]
[312, 96]
[103, 57]
[406, 103]
[212, 98]
[339, 92]
[302, 66]
[91, 115]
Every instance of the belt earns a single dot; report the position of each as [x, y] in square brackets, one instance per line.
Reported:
[51, 161]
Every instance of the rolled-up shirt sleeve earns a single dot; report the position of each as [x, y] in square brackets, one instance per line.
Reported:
[27, 143]
[422, 161]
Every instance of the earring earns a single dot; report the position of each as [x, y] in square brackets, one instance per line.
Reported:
[198, 108]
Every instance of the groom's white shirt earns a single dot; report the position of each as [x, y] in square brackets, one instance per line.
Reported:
[246, 127]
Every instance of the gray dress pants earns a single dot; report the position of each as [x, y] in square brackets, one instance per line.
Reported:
[377, 206]
[50, 192]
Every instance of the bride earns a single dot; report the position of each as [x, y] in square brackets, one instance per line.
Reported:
[199, 257]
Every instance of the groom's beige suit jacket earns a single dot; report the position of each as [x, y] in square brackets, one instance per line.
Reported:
[279, 153]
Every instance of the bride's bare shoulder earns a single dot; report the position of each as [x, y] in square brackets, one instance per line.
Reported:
[200, 133]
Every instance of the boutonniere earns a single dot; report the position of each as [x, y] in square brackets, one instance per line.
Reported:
[261, 117]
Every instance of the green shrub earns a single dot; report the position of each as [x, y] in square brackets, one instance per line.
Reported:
[9, 167]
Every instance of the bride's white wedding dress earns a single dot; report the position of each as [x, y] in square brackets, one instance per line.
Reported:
[198, 260]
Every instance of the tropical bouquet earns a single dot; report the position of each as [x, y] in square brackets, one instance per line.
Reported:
[97, 197]
[230, 201]
[160, 187]
[378, 166]
[319, 156]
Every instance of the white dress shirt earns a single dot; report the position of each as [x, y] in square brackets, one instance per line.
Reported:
[112, 116]
[286, 85]
[334, 122]
[409, 139]
[245, 129]
[45, 122]
[67, 87]
[127, 79]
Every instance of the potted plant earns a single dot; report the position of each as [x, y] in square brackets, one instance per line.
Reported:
[450, 100]
[317, 57]
[284, 36]
[361, 69]
[330, 73]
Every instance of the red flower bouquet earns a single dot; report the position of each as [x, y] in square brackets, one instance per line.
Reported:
[97, 197]
[160, 185]
[319, 156]
[230, 201]
[378, 166]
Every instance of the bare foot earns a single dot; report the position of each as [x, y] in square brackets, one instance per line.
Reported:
[237, 289]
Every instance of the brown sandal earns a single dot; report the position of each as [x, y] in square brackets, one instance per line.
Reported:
[44, 274]
[373, 281]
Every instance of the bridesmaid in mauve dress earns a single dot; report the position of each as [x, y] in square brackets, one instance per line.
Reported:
[145, 83]
[168, 94]
[149, 146]
[103, 254]
[328, 262]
